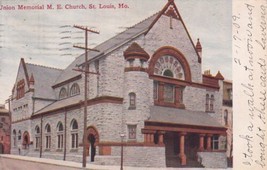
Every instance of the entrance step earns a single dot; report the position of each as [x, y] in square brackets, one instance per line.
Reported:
[174, 161]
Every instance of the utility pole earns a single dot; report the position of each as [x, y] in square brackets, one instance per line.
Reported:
[86, 72]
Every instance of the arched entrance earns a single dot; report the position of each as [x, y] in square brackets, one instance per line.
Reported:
[26, 140]
[93, 140]
[1, 148]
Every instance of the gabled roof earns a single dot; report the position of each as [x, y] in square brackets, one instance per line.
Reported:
[57, 105]
[141, 28]
[107, 47]
[44, 77]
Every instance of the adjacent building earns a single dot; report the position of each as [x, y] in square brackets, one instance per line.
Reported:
[4, 130]
[148, 91]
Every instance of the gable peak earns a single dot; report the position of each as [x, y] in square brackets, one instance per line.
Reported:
[32, 80]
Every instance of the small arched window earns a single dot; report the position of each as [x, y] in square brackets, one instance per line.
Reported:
[226, 117]
[132, 101]
[63, 93]
[75, 89]
[37, 129]
[207, 102]
[211, 103]
[37, 137]
[59, 135]
[59, 127]
[14, 137]
[19, 135]
[74, 134]
[47, 136]
[74, 124]
[47, 128]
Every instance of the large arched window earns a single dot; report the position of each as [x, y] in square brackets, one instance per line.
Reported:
[168, 67]
[75, 89]
[74, 134]
[59, 135]
[37, 137]
[14, 138]
[132, 101]
[63, 93]
[47, 136]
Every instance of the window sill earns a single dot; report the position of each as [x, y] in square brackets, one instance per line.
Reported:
[208, 111]
[132, 108]
[131, 140]
[47, 150]
[36, 149]
[59, 150]
[165, 104]
[74, 150]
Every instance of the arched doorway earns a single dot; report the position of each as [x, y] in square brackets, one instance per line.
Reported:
[92, 139]
[26, 140]
[2, 148]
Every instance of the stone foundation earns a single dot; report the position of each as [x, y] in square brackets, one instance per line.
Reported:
[212, 159]
[134, 156]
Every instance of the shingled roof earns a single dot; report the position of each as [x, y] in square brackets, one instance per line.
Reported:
[107, 47]
[182, 117]
[44, 77]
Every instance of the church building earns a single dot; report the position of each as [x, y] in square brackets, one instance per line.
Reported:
[147, 93]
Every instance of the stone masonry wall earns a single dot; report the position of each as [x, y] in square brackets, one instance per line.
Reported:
[135, 156]
[212, 159]
[162, 35]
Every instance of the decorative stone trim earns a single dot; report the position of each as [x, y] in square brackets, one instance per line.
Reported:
[128, 69]
[168, 50]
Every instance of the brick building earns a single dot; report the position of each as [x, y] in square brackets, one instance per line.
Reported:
[4, 130]
[150, 88]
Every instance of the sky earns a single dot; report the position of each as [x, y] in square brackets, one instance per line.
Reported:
[46, 37]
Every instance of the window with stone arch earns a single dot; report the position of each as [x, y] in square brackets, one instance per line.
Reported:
[168, 67]
[132, 101]
[226, 117]
[212, 103]
[47, 136]
[14, 138]
[19, 135]
[20, 89]
[74, 134]
[37, 137]
[207, 102]
[63, 93]
[74, 90]
[60, 135]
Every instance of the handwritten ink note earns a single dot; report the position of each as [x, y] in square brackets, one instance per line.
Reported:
[249, 61]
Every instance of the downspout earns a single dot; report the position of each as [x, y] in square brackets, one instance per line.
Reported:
[65, 135]
[41, 137]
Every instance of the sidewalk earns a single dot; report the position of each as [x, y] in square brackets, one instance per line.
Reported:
[13, 162]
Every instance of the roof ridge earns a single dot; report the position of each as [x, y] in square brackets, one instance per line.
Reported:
[45, 66]
[131, 27]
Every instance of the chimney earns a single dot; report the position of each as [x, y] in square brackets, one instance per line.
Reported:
[31, 82]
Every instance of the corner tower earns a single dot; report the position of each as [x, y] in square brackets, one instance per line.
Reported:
[136, 93]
